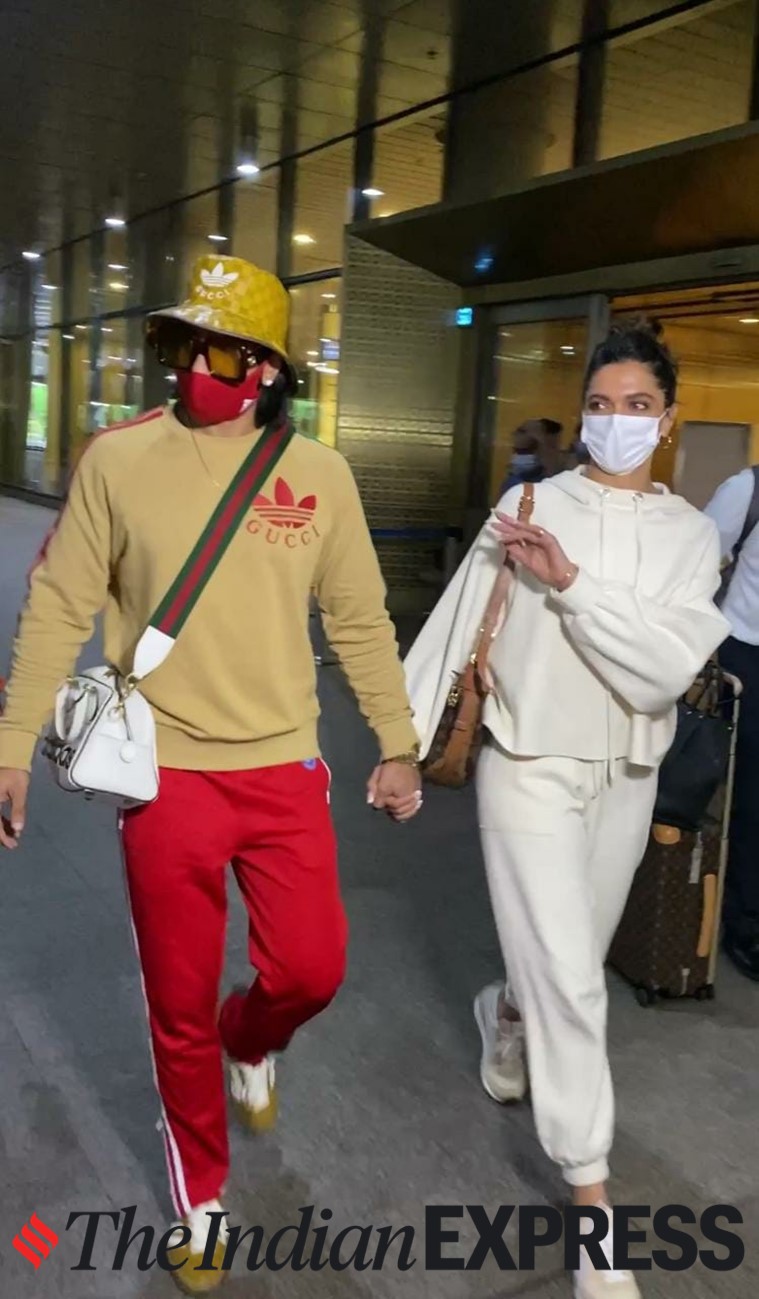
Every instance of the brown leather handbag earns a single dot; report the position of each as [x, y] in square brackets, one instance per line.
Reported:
[458, 739]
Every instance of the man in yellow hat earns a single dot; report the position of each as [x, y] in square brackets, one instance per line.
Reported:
[241, 780]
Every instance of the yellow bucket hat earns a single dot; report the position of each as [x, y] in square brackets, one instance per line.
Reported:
[230, 296]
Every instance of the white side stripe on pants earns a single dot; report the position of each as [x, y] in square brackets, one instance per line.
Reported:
[177, 1182]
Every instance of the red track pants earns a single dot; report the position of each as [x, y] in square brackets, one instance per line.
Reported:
[274, 826]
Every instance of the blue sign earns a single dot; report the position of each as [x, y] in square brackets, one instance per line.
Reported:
[464, 317]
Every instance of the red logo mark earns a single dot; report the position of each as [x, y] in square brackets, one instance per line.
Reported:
[284, 511]
[42, 1239]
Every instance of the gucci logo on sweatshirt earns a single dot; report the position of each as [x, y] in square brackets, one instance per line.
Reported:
[285, 520]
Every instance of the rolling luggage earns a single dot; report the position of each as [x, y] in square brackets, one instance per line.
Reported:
[668, 939]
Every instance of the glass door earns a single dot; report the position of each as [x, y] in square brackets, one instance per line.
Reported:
[534, 358]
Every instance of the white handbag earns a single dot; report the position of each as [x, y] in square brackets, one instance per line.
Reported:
[102, 742]
[103, 739]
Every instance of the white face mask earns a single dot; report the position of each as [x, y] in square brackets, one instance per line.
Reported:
[619, 444]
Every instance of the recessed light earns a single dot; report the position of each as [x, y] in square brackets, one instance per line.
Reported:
[749, 320]
[247, 169]
[118, 286]
[568, 351]
[329, 296]
[30, 255]
[218, 239]
[106, 329]
[370, 192]
[115, 222]
[80, 327]
[117, 266]
[303, 239]
[70, 338]
[312, 353]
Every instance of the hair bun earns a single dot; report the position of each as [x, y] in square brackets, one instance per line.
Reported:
[639, 324]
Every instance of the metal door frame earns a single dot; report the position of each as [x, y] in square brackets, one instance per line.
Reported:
[595, 307]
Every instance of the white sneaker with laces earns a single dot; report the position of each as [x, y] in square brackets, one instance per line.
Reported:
[590, 1283]
[503, 1069]
[254, 1093]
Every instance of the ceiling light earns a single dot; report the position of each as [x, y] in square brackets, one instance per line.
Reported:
[567, 350]
[115, 222]
[312, 353]
[370, 192]
[117, 266]
[70, 338]
[303, 239]
[118, 286]
[106, 329]
[30, 255]
[745, 320]
[484, 263]
[80, 326]
[218, 239]
[51, 288]
[329, 296]
[248, 169]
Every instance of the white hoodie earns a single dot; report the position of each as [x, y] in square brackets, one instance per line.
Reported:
[594, 673]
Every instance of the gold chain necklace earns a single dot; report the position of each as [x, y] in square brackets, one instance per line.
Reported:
[196, 444]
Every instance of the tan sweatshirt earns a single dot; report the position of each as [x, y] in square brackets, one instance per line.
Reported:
[239, 688]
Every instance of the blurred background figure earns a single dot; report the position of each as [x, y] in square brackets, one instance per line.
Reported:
[536, 453]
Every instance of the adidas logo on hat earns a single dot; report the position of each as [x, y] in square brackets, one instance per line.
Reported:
[217, 278]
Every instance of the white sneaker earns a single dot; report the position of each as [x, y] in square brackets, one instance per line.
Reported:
[254, 1093]
[503, 1069]
[590, 1283]
[189, 1277]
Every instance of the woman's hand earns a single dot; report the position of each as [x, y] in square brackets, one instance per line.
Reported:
[536, 550]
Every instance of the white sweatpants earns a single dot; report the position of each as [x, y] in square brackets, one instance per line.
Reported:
[562, 839]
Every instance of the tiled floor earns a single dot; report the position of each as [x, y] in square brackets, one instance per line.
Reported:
[382, 1113]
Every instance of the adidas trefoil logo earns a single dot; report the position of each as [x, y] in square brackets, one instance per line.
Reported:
[218, 278]
[285, 511]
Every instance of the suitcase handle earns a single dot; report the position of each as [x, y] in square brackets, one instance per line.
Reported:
[708, 916]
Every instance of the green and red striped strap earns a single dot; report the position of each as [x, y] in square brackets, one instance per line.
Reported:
[184, 593]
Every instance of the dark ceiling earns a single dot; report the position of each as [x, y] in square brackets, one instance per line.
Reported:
[138, 103]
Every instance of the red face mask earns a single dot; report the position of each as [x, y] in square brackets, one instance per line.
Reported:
[210, 401]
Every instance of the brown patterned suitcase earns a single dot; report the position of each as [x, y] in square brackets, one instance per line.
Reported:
[667, 941]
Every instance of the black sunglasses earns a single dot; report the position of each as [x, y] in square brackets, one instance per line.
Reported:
[178, 345]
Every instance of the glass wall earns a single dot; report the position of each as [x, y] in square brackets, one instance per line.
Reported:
[315, 349]
[323, 207]
[537, 374]
[72, 357]
[683, 79]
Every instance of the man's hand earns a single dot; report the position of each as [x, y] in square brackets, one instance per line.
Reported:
[14, 787]
[396, 788]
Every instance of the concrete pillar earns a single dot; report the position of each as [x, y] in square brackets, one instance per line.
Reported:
[499, 136]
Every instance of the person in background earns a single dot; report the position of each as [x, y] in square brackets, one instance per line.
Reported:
[236, 710]
[577, 453]
[735, 510]
[610, 619]
[536, 453]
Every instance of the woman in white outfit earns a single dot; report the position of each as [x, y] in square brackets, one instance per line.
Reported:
[610, 617]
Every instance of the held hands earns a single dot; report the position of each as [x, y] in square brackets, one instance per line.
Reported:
[537, 551]
[14, 787]
[395, 788]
